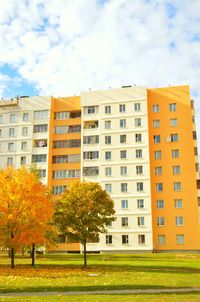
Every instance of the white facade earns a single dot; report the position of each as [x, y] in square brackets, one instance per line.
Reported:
[24, 133]
[115, 153]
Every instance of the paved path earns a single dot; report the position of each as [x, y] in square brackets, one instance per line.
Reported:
[104, 292]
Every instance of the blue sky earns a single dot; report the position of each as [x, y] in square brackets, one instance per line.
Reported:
[63, 47]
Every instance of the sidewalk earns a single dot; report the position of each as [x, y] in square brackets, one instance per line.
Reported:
[103, 292]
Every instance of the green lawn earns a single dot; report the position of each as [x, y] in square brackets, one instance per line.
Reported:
[65, 272]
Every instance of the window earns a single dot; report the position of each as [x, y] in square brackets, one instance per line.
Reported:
[155, 108]
[24, 146]
[123, 170]
[61, 174]
[140, 221]
[10, 161]
[24, 131]
[137, 106]
[39, 158]
[66, 129]
[25, 116]
[108, 155]
[1, 119]
[90, 171]
[58, 190]
[108, 188]
[124, 239]
[0, 132]
[173, 122]
[123, 154]
[107, 109]
[195, 151]
[138, 153]
[108, 239]
[174, 137]
[178, 203]
[72, 143]
[141, 239]
[124, 204]
[140, 203]
[176, 170]
[41, 173]
[122, 123]
[122, 108]
[11, 146]
[108, 171]
[172, 107]
[139, 170]
[70, 158]
[23, 160]
[159, 187]
[107, 124]
[63, 115]
[156, 139]
[161, 239]
[157, 154]
[140, 186]
[91, 125]
[156, 123]
[179, 220]
[90, 155]
[194, 135]
[91, 139]
[75, 114]
[122, 138]
[39, 128]
[124, 187]
[124, 221]
[160, 221]
[12, 132]
[40, 143]
[175, 153]
[158, 170]
[40, 114]
[91, 110]
[13, 118]
[177, 186]
[138, 122]
[180, 239]
[160, 204]
[108, 140]
[138, 137]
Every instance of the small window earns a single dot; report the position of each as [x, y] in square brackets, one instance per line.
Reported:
[107, 109]
[108, 239]
[124, 221]
[124, 187]
[179, 220]
[180, 239]
[124, 239]
[178, 203]
[161, 239]
[194, 134]
[175, 153]
[138, 153]
[1, 119]
[107, 124]
[160, 204]
[160, 221]
[174, 137]
[156, 123]
[159, 187]
[12, 132]
[24, 131]
[173, 122]
[138, 122]
[11, 147]
[108, 188]
[140, 203]
[157, 154]
[0, 132]
[108, 155]
[176, 170]
[123, 154]
[156, 139]
[108, 171]
[172, 107]
[137, 106]
[155, 108]
[138, 137]
[10, 161]
[91, 110]
[139, 170]
[141, 239]
[122, 123]
[108, 140]
[124, 204]
[24, 146]
[140, 186]
[177, 186]
[122, 138]
[122, 108]
[13, 118]
[23, 161]
[25, 117]
[123, 170]
[140, 221]
[158, 170]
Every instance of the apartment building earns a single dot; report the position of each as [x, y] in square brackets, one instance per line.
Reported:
[139, 144]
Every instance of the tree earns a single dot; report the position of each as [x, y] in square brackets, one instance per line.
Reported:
[25, 209]
[84, 210]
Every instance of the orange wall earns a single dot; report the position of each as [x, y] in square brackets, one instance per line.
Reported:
[191, 229]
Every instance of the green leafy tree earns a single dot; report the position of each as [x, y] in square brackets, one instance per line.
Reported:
[84, 210]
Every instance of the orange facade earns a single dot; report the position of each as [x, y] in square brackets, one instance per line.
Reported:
[174, 170]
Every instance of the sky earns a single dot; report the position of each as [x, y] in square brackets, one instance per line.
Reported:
[64, 47]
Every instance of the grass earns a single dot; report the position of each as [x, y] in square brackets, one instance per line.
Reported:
[65, 273]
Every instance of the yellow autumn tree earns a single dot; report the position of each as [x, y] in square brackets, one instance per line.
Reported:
[25, 209]
[84, 210]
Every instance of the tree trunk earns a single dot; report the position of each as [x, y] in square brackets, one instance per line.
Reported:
[12, 254]
[33, 252]
[85, 254]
